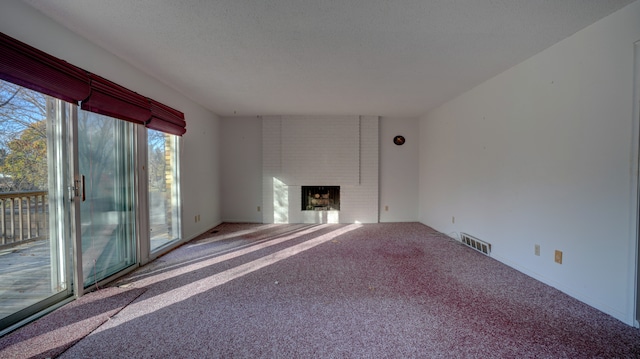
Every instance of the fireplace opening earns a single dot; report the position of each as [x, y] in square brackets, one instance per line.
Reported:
[320, 198]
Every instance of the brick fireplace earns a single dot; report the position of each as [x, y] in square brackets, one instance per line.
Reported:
[300, 151]
[320, 198]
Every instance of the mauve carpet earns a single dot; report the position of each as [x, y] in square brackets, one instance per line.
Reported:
[393, 290]
[50, 336]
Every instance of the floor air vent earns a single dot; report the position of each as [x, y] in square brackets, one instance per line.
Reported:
[475, 243]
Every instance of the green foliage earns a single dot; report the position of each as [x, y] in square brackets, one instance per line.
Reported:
[23, 139]
[26, 159]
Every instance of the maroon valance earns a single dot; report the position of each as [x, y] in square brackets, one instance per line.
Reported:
[166, 119]
[113, 100]
[26, 66]
[31, 68]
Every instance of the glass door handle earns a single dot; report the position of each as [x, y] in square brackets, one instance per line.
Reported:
[84, 196]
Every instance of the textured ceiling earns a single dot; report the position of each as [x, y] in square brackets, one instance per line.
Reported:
[324, 57]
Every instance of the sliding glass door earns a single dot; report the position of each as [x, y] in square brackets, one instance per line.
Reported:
[68, 199]
[163, 189]
[106, 149]
[36, 262]
[66, 176]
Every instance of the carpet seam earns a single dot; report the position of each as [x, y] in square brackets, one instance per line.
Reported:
[144, 290]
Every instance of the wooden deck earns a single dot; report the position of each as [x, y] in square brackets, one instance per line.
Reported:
[25, 277]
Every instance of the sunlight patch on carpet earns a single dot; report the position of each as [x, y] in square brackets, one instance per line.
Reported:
[200, 286]
[181, 268]
[51, 335]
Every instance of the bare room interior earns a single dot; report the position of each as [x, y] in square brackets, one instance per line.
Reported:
[508, 129]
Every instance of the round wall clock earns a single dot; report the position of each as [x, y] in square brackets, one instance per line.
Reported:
[399, 140]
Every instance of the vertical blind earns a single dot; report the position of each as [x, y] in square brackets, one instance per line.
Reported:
[34, 69]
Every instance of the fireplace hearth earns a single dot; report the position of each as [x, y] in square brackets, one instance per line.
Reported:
[320, 198]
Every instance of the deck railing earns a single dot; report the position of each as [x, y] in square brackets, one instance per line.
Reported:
[24, 217]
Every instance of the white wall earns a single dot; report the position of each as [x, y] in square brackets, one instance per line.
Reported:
[241, 151]
[399, 170]
[200, 163]
[546, 153]
[242, 163]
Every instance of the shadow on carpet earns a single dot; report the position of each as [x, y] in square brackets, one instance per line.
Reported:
[53, 334]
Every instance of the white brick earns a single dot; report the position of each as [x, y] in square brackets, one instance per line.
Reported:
[311, 150]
